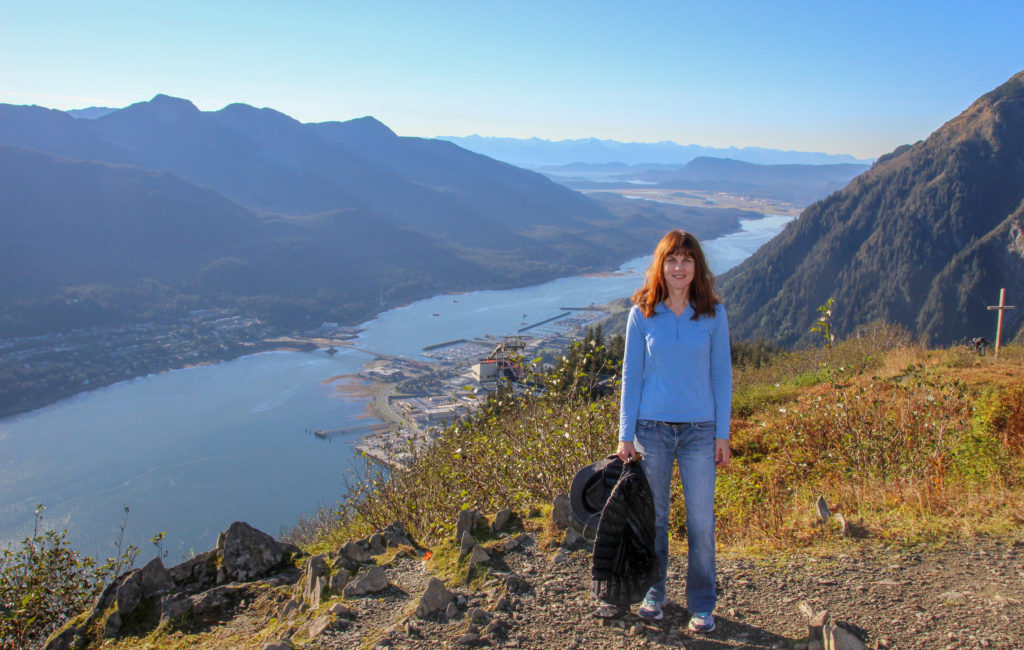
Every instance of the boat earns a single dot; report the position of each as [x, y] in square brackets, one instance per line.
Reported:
[332, 350]
[436, 314]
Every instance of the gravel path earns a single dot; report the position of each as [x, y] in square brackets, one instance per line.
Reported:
[968, 595]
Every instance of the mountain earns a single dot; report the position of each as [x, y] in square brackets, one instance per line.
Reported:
[90, 113]
[537, 152]
[158, 208]
[925, 238]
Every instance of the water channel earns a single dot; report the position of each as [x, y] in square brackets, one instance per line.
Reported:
[189, 451]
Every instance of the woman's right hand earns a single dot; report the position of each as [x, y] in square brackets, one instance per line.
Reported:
[626, 450]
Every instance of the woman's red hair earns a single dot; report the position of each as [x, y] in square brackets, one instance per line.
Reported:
[702, 289]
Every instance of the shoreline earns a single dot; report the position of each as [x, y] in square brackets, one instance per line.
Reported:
[269, 345]
[285, 342]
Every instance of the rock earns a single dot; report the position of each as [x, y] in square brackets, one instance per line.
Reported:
[517, 542]
[501, 520]
[479, 616]
[468, 639]
[504, 604]
[466, 543]
[289, 607]
[376, 544]
[478, 555]
[341, 611]
[355, 553]
[412, 628]
[815, 620]
[468, 520]
[311, 585]
[396, 535]
[561, 512]
[197, 573]
[66, 639]
[836, 637]
[337, 582]
[112, 626]
[573, 540]
[149, 581]
[452, 610]
[495, 628]
[283, 644]
[516, 583]
[561, 557]
[822, 508]
[247, 553]
[319, 625]
[370, 581]
[436, 597]
[174, 606]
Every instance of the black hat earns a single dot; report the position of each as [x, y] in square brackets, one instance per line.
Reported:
[591, 488]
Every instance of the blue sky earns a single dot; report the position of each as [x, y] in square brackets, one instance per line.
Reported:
[840, 77]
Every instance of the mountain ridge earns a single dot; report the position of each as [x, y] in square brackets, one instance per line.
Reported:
[909, 241]
[539, 152]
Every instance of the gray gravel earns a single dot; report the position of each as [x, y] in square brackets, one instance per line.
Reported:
[967, 595]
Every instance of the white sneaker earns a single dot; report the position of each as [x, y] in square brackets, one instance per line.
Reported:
[702, 622]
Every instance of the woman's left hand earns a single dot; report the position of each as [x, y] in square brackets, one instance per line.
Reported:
[722, 452]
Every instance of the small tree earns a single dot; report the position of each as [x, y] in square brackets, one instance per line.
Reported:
[824, 323]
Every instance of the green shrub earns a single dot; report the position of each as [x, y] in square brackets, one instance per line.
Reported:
[44, 582]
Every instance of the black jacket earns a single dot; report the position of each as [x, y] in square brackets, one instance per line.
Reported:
[625, 564]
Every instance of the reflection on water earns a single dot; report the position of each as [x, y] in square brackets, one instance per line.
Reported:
[189, 451]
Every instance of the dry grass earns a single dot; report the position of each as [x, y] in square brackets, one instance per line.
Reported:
[910, 444]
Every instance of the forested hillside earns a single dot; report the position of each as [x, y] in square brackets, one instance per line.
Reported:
[925, 238]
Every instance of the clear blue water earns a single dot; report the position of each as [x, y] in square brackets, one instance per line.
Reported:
[189, 451]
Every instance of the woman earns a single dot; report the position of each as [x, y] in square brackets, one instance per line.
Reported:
[676, 403]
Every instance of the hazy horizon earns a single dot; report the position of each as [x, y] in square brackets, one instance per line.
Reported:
[858, 80]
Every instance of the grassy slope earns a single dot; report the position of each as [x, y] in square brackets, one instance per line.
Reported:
[909, 444]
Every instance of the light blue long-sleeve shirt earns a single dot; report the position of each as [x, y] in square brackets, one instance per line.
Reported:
[676, 370]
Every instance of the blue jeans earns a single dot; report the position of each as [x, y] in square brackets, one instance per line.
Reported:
[692, 444]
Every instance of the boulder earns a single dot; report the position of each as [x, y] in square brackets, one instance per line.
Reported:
[112, 626]
[396, 535]
[369, 581]
[355, 552]
[452, 611]
[561, 512]
[836, 637]
[174, 606]
[342, 611]
[376, 544]
[311, 585]
[291, 606]
[502, 520]
[65, 639]
[468, 520]
[479, 616]
[247, 553]
[337, 582]
[196, 573]
[436, 597]
[821, 508]
[466, 543]
[572, 539]
[478, 555]
[149, 581]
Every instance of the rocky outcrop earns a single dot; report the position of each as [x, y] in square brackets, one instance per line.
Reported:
[246, 564]
[246, 553]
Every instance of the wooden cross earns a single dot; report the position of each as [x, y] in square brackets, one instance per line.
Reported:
[1001, 307]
